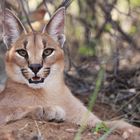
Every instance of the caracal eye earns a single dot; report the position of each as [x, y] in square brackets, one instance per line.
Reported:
[22, 53]
[47, 52]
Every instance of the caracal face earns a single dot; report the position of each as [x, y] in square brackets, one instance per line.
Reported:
[34, 58]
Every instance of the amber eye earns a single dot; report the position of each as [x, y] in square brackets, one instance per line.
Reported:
[47, 52]
[22, 52]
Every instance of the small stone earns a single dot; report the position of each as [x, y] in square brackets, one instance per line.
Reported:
[129, 106]
[112, 96]
[95, 133]
[125, 135]
[133, 90]
[71, 130]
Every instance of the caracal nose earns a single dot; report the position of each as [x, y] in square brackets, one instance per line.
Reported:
[35, 67]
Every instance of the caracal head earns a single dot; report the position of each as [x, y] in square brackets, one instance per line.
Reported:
[36, 57]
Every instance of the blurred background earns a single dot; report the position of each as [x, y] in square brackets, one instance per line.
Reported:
[100, 33]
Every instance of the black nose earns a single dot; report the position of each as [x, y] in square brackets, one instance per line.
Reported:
[35, 67]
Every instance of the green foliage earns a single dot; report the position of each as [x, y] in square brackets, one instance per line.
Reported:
[88, 49]
[108, 27]
[105, 136]
[135, 2]
[100, 127]
[79, 31]
[133, 30]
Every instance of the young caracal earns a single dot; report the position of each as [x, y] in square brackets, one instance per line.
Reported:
[34, 64]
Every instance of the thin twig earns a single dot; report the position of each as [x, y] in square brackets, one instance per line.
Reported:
[28, 21]
[45, 3]
[38, 130]
[65, 3]
[121, 108]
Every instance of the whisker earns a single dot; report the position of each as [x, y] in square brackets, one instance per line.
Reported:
[47, 68]
[23, 69]
[24, 72]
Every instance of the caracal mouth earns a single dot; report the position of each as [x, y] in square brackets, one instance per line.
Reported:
[36, 80]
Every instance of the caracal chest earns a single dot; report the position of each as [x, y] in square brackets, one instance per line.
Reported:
[20, 96]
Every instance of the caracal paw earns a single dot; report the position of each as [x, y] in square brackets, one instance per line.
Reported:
[54, 113]
[131, 133]
[89, 120]
[126, 130]
[36, 113]
[93, 121]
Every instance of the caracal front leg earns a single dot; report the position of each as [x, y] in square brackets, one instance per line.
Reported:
[46, 113]
[77, 113]
[54, 113]
[81, 116]
[9, 114]
[127, 130]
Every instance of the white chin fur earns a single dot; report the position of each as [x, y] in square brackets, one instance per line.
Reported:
[36, 86]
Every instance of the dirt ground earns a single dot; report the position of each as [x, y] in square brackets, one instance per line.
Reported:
[28, 129]
[31, 130]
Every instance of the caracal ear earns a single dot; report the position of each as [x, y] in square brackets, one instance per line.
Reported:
[12, 27]
[55, 27]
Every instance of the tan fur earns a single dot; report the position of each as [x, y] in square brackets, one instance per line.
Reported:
[51, 100]
[55, 92]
